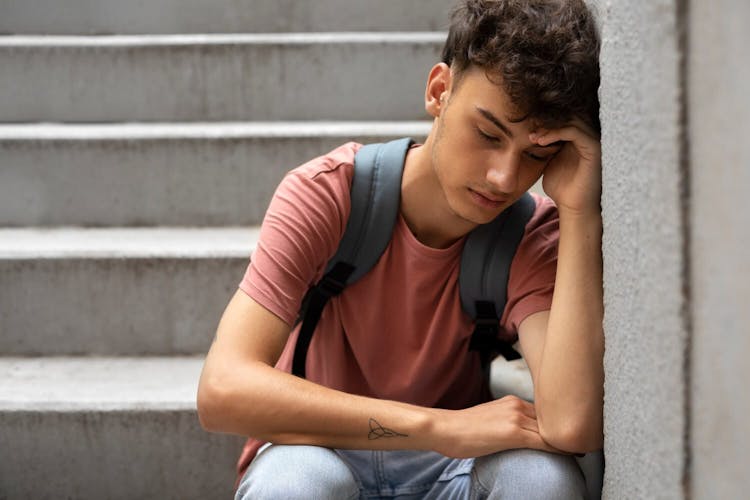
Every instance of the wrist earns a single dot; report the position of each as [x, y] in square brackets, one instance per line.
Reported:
[582, 230]
[430, 429]
[590, 217]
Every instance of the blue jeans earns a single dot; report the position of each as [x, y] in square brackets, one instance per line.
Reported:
[315, 473]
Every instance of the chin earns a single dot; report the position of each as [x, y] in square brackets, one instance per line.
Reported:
[467, 210]
[477, 216]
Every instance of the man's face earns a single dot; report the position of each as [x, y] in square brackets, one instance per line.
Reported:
[483, 161]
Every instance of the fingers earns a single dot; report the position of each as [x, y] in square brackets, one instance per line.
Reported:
[513, 425]
[528, 424]
[574, 125]
[534, 441]
[575, 141]
[575, 130]
[520, 405]
[574, 134]
[525, 413]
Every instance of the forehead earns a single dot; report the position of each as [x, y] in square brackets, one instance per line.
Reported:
[475, 89]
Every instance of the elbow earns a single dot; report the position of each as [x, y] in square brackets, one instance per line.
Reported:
[573, 437]
[210, 403]
[224, 401]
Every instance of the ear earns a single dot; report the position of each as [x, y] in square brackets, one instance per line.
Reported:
[438, 89]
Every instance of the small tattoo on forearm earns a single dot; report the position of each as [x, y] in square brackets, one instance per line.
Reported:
[377, 431]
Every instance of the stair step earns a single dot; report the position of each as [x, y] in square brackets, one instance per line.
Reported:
[109, 428]
[147, 174]
[74, 17]
[222, 77]
[117, 291]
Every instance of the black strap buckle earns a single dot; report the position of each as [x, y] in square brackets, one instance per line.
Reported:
[330, 286]
[485, 335]
[485, 338]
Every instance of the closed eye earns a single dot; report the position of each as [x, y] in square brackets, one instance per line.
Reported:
[487, 137]
[549, 155]
[539, 158]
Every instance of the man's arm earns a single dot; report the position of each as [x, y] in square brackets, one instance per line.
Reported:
[564, 347]
[241, 392]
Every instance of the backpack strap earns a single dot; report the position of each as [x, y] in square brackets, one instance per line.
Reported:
[483, 280]
[375, 201]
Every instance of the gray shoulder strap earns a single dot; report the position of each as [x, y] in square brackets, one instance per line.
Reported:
[487, 255]
[375, 199]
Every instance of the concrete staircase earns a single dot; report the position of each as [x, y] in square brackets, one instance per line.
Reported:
[140, 143]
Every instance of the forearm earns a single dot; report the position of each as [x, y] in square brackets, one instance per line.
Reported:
[241, 393]
[266, 403]
[280, 408]
[569, 385]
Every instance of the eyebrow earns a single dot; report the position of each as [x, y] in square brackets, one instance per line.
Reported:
[495, 120]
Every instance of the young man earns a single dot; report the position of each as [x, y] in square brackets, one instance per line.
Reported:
[394, 403]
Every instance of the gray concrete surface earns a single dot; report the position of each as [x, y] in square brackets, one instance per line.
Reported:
[108, 428]
[115, 428]
[252, 77]
[511, 377]
[117, 291]
[77, 17]
[99, 383]
[643, 246]
[203, 174]
[719, 124]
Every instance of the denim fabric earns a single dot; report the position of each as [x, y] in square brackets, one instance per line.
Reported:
[314, 473]
[297, 473]
[530, 475]
[410, 475]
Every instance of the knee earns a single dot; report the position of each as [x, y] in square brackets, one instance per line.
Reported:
[297, 472]
[531, 474]
[561, 478]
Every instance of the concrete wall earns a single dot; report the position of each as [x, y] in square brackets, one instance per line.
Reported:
[644, 258]
[676, 121]
[719, 132]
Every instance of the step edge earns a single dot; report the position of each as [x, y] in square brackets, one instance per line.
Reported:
[208, 130]
[69, 243]
[223, 39]
[94, 383]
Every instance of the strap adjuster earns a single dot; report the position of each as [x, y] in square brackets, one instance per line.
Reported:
[334, 281]
[330, 287]
[487, 323]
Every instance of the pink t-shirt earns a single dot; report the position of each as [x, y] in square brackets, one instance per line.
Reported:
[398, 333]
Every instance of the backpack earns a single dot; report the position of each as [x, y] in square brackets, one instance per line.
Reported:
[375, 200]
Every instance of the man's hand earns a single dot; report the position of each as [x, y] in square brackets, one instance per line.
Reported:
[502, 424]
[573, 178]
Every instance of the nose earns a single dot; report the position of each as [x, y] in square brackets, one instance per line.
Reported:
[503, 172]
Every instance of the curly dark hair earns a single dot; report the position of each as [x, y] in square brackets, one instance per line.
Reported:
[543, 53]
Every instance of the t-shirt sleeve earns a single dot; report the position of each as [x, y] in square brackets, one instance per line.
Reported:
[300, 233]
[532, 272]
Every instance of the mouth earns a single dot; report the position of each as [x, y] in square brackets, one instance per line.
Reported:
[486, 200]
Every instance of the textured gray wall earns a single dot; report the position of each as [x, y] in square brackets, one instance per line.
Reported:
[719, 124]
[643, 250]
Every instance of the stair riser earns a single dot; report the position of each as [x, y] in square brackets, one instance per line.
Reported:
[114, 455]
[173, 182]
[229, 81]
[114, 306]
[221, 16]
